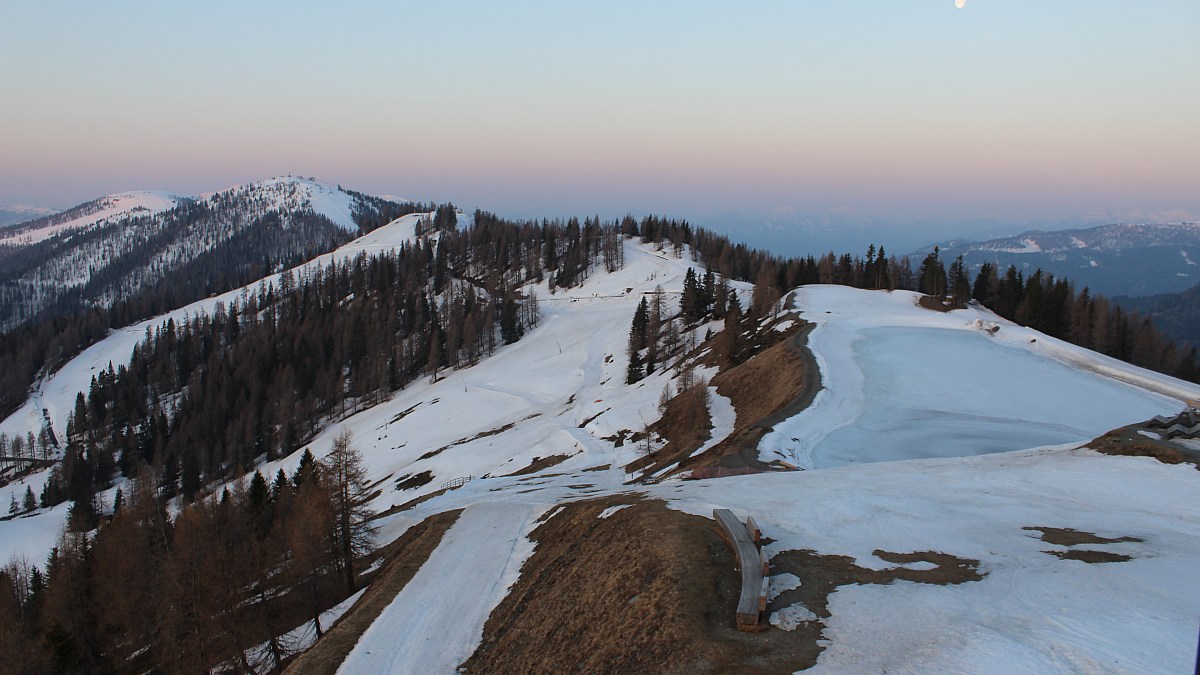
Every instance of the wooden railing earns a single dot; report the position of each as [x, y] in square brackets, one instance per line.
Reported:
[457, 482]
[744, 539]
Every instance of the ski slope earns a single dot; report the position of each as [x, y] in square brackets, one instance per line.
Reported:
[437, 620]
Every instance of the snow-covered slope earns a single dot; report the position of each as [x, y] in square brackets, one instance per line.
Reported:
[1032, 612]
[138, 202]
[290, 193]
[902, 383]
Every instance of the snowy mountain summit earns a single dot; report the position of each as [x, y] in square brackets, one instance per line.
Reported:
[112, 248]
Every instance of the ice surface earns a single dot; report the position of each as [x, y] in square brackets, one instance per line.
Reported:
[902, 382]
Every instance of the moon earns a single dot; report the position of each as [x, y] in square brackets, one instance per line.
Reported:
[960, 3]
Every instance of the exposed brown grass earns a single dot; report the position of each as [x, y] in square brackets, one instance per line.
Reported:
[935, 304]
[405, 556]
[539, 464]
[765, 383]
[686, 424]
[651, 590]
[1091, 557]
[646, 590]
[1065, 536]
[1126, 441]
[411, 482]
[821, 575]
[777, 383]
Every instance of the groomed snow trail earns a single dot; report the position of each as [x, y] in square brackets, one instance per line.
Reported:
[436, 622]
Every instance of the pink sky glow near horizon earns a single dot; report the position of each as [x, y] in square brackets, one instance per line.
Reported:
[1019, 109]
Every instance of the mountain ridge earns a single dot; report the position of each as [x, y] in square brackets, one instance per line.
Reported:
[1132, 259]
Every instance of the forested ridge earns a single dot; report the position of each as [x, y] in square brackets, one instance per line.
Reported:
[248, 237]
[203, 402]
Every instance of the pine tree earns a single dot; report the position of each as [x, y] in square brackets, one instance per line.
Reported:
[259, 494]
[691, 303]
[932, 275]
[306, 470]
[635, 372]
[189, 475]
[281, 487]
[987, 284]
[959, 283]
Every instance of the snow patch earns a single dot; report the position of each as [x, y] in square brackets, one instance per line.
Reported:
[782, 583]
[790, 617]
[612, 509]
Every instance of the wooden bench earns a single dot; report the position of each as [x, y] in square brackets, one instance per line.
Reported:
[752, 600]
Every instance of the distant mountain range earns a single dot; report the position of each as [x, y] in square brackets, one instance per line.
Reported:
[115, 247]
[19, 213]
[1121, 259]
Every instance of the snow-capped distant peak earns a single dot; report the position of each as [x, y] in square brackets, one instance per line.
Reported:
[27, 210]
[294, 192]
[122, 204]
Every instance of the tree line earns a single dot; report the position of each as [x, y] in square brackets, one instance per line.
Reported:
[1041, 301]
[221, 585]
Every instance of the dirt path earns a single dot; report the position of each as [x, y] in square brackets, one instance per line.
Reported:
[810, 386]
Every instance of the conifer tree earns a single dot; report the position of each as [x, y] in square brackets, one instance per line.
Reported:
[346, 480]
[959, 282]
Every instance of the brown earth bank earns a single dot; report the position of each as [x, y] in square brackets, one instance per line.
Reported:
[403, 558]
[778, 381]
[539, 464]
[646, 590]
[773, 385]
[1127, 441]
[936, 304]
[685, 424]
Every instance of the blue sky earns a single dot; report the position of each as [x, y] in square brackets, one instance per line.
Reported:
[901, 112]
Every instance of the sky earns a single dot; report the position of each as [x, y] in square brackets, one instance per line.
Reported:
[852, 113]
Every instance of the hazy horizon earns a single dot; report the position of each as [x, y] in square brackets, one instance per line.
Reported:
[897, 115]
